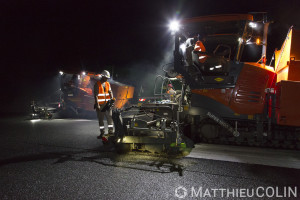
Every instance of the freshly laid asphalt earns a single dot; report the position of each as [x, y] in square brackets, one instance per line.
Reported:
[62, 159]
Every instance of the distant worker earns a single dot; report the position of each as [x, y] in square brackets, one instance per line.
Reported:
[171, 92]
[102, 94]
[33, 107]
[199, 46]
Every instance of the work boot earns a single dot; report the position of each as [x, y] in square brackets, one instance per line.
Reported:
[101, 135]
[104, 140]
[111, 132]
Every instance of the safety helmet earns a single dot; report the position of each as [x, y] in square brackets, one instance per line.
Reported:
[106, 74]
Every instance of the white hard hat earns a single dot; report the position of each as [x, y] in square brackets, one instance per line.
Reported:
[106, 74]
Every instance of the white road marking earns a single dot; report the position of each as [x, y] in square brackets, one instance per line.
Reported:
[250, 155]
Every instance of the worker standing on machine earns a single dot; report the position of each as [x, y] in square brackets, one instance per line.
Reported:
[199, 46]
[171, 92]
[103, 94]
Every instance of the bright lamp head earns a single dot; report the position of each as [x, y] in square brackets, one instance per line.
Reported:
[61, 72]
[252, 24]
[174, 26]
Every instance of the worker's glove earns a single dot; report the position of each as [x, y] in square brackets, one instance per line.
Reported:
[96, 106]
[113, 102]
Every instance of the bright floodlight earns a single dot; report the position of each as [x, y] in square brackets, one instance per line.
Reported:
[61, 72]
[83, 73]
[174, 26]
[252, 25]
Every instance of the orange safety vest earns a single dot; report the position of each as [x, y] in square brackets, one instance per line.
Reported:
[171, 95]
[168, 92]
[200, 47]
[103, 96]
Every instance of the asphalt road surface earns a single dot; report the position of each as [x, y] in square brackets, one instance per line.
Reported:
[62, 159]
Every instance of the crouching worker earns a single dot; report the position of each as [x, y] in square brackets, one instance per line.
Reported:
[103, 94]
[171, 92]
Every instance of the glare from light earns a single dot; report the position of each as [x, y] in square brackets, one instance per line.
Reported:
[35, 120]
[182, 47]
[174, 26]
[257, 41]
[218, 66]
[201, 57]
[252, 25]
[61, 72]
[212, 68]
[240, 40]
[83, 73]
[157, 124]
[119, 140]
[78, 77]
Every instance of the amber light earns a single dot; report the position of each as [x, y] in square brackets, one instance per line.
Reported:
[258, 41]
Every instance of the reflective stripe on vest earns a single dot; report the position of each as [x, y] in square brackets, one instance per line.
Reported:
[200, 47]
[103, 96]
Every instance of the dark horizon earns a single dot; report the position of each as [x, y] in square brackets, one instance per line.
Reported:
[39, 38]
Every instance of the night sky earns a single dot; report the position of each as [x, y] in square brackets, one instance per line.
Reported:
[39, 38]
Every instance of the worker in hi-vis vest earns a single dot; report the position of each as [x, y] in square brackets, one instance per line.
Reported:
[171, 92]
[199, 46]
[102, 94]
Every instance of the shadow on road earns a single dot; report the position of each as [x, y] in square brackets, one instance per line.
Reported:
[106, 156]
